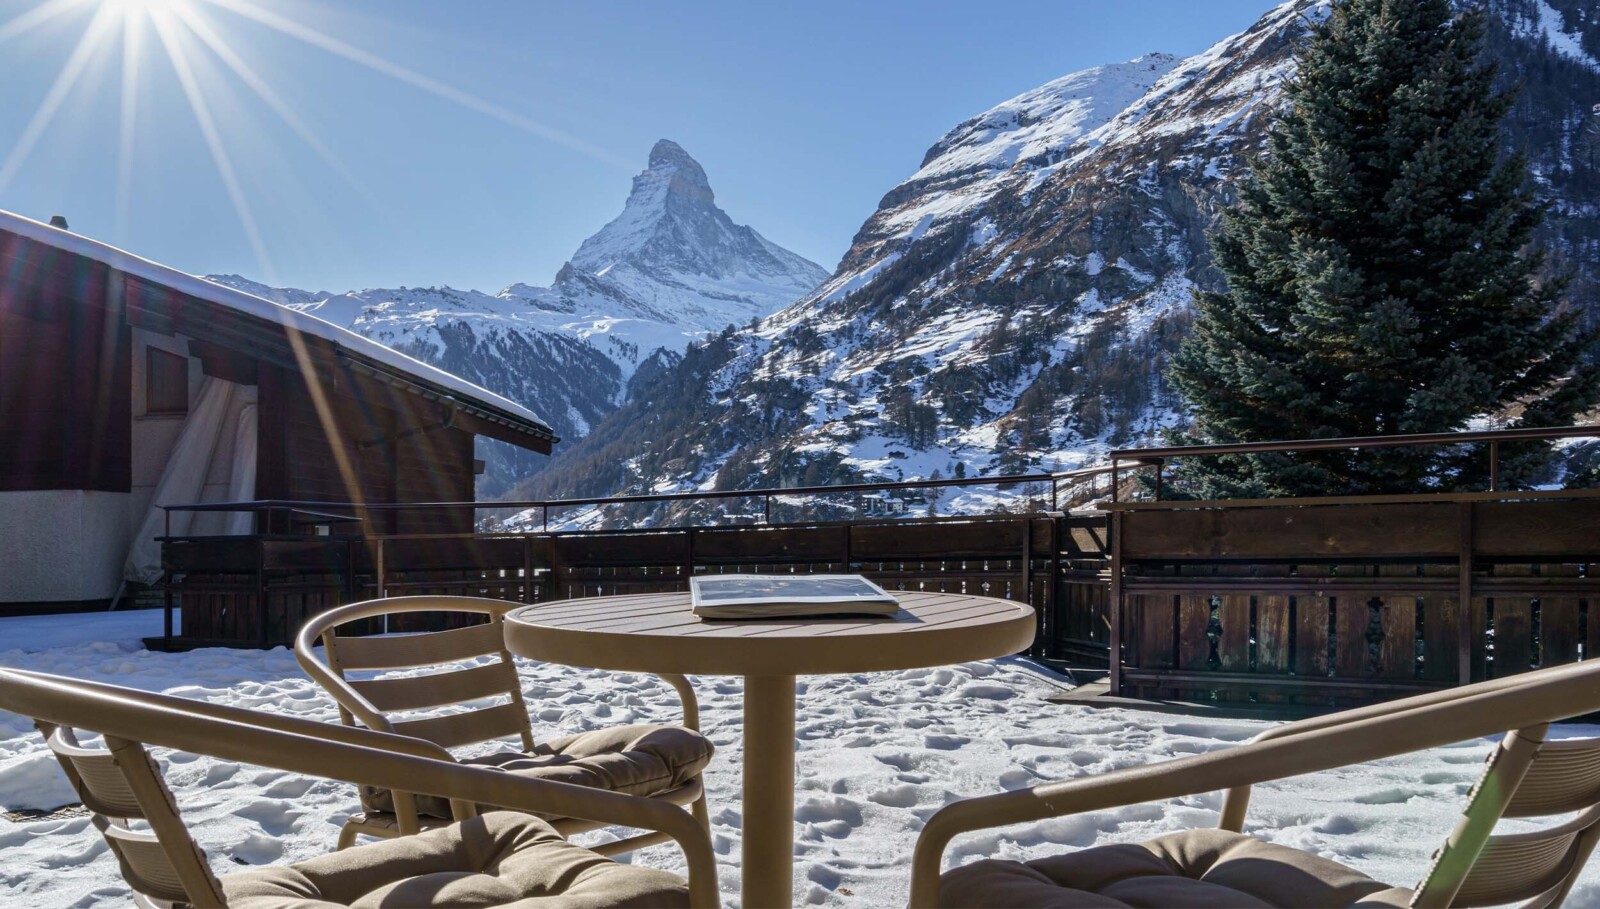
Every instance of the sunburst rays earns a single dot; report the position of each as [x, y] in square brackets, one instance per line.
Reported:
[189, 43]
[186, 32]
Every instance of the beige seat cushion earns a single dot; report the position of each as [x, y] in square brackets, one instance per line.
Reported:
[1188, 870]
[499, 859]
[635, 760]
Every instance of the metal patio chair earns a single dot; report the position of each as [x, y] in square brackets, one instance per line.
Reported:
[499, 858]
[1526, 776]
[658, 762]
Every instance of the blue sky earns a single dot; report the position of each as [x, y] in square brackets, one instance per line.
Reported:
[803, 115]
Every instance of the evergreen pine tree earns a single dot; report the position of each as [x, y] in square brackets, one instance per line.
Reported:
[1379, 279]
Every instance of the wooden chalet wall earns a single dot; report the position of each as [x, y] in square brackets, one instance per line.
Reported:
[65, 374]
[395, 446]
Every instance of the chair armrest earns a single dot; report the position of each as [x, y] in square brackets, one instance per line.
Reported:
[337, 688]
[1236, 801]
[1402, 727]
[359, 756]
[691, 705]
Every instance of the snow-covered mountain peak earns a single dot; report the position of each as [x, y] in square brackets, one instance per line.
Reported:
[1037, 124]
[668, 158]
[672, 192]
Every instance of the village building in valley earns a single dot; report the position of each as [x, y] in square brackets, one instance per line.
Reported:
[126, 385]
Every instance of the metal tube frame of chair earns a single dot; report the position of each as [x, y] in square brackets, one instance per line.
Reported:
[1431, 720]
[166, 867]
[356, 700]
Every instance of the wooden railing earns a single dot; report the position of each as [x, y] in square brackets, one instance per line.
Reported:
[257, 590]
[1318, 602]
[1330, 600]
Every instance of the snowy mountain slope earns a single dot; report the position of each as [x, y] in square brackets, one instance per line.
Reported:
[666, 271]
[1012, 304]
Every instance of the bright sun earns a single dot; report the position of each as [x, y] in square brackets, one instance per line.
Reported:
[183, 35]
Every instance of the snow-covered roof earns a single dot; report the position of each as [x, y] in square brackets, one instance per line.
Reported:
[259, 307]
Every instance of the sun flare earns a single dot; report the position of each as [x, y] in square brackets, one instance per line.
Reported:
[188, 39]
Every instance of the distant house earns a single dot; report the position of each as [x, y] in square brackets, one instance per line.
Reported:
[125, 384]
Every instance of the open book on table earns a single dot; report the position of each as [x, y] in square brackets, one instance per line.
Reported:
[755, 596]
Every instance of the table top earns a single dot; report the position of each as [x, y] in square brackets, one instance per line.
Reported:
[658, 633]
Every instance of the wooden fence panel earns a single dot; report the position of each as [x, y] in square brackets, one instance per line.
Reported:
[1194, 622]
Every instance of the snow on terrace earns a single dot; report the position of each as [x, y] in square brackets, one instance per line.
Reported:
[878, 754]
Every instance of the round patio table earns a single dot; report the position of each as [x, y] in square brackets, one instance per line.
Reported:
[658, 633]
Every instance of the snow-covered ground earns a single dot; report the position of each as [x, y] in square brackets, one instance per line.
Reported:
[878, 754]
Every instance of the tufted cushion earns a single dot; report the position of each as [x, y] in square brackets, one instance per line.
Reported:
[1188, 870]
[635, 760]
[499, 859]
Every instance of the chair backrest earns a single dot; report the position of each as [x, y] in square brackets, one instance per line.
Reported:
[1525, 777]
[383, 703]
[120, 783]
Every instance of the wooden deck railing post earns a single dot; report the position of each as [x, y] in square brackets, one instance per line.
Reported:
[166, 583]
[1114, 645]
[381, 570]
[1464, 608]
[1027, 586]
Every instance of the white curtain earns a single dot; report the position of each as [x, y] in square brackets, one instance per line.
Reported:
[183, 479]
[242, 484]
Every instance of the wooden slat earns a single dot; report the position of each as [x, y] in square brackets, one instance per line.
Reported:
[403, 651]
[1234, 648]
[1351, 615]
[1441, 638]
[1543, 530]
[1194, 616]
[748, 544]
[1513, 635]
[1558, 630]
[1311, 636]
[1397, 654]
[1377, 531]
[1478, 649]
[467, 728]
[1272, 633]
[1157, 649]
[996, 539]
[438, 689]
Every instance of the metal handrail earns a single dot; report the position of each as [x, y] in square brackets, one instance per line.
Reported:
[1056, 480]
[1158, 457]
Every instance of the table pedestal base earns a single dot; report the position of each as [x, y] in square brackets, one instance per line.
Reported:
[767, 865]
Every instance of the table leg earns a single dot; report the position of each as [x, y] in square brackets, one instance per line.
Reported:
[767, 866]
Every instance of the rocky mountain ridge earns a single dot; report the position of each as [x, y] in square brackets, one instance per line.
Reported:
[1012, 304]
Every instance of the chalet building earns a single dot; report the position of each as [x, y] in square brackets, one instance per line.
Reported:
[125, 385]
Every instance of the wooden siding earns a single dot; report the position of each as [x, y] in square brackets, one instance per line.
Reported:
[66, 416]
[304, 452]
